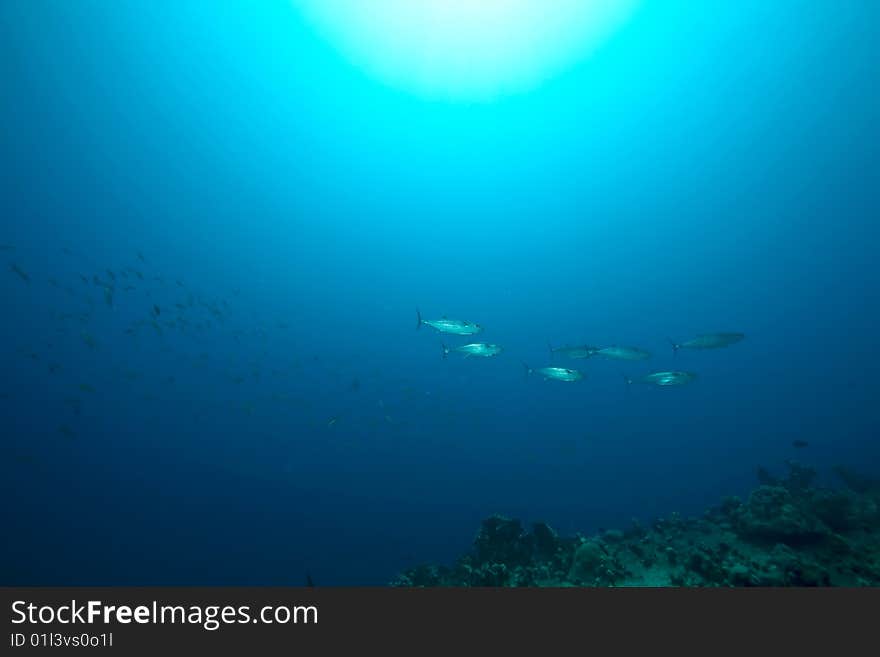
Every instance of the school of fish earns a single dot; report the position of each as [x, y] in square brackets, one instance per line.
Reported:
[660, 379]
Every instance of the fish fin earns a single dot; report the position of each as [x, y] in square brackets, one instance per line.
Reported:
[419, 317]
[675, 346]
[445, 350]
[528, 370]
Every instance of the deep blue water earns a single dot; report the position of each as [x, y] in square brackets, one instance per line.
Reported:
[713, 167]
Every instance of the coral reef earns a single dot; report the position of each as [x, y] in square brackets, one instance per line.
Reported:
[787, 533]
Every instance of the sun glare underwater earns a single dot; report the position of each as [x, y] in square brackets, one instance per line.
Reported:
[465, 50]
[549, 293]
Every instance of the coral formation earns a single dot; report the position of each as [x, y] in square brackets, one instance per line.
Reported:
[787, 533]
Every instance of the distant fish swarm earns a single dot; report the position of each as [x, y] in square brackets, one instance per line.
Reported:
[158, 309]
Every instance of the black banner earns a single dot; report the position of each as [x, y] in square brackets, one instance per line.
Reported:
[171, 621]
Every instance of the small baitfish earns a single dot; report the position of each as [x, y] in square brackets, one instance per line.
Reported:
[453, 326]
[708, 341]
[556, 373]
[663, 379]
[480, 349]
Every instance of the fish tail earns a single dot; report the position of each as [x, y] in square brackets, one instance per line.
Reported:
[675, 346]
[419, 317]
[445, 350]
[550, 347]
[626, 379]
[528, 370]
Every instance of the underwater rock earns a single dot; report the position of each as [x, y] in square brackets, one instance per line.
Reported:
[796, 569]
[594, 564]
[543, 541]
[500, 540]
[708, 564]
[800, 478]
[613, 536]
[840, 511]
[588, 561]
[772, 514]
[502, 555]
[423, 575]
[493, 574]
[786, 534]
[857, 482]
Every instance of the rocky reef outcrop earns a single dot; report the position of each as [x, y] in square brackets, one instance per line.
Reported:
[787, 532]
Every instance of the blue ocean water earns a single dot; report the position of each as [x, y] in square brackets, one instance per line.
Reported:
[216, 232]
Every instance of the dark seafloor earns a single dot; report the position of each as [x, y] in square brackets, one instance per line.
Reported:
[789, 532]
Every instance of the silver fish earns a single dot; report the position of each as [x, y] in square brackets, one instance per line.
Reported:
[623, 353]
[453, 326]
[663, 379]
[481, 349]
[556, 373]
[708, 341]
[576, 352]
